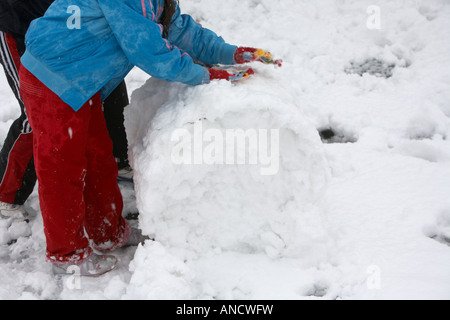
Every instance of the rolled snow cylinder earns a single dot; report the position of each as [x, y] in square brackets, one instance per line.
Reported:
[227, 167]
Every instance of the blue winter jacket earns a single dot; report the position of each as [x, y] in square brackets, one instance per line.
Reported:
[77, 58]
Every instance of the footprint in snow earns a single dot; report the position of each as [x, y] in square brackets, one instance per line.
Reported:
[440, 231]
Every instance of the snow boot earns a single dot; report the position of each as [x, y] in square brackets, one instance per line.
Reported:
[125, 174]
[94, 266]
[8, 210]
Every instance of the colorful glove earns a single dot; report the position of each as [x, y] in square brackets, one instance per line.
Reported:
[230, 75]
[245, 54]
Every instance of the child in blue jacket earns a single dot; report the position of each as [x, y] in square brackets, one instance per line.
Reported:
[17, 173]
[76, 55]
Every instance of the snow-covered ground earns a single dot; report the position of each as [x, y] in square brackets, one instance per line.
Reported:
[364, 214]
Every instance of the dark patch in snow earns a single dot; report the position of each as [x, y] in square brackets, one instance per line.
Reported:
[329, 135]
[442, 239]
[319, 290]
[441, 230]
[374, 67]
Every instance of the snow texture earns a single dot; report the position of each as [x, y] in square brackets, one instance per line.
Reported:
[354, 202]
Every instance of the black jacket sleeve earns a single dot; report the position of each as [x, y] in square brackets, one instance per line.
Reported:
[16, 15]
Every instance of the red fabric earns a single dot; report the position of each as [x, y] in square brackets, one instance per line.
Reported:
[77, 174]
[216, 74]
[12, 45]
[239, 54]
[250, 71]
[22, 151]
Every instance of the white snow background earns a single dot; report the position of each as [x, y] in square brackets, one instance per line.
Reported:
[364, 215]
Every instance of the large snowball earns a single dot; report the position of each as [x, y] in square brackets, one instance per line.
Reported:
[227, 167]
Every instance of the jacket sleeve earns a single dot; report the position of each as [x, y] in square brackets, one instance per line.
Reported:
[201, 43]
[141, 40]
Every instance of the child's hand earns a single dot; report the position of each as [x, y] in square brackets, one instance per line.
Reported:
[230, 75]
[245, 54]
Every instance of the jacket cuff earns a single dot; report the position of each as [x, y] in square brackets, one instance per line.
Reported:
[206, 77]
[227, 54]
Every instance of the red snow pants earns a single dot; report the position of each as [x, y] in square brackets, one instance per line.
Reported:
[77, 174]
